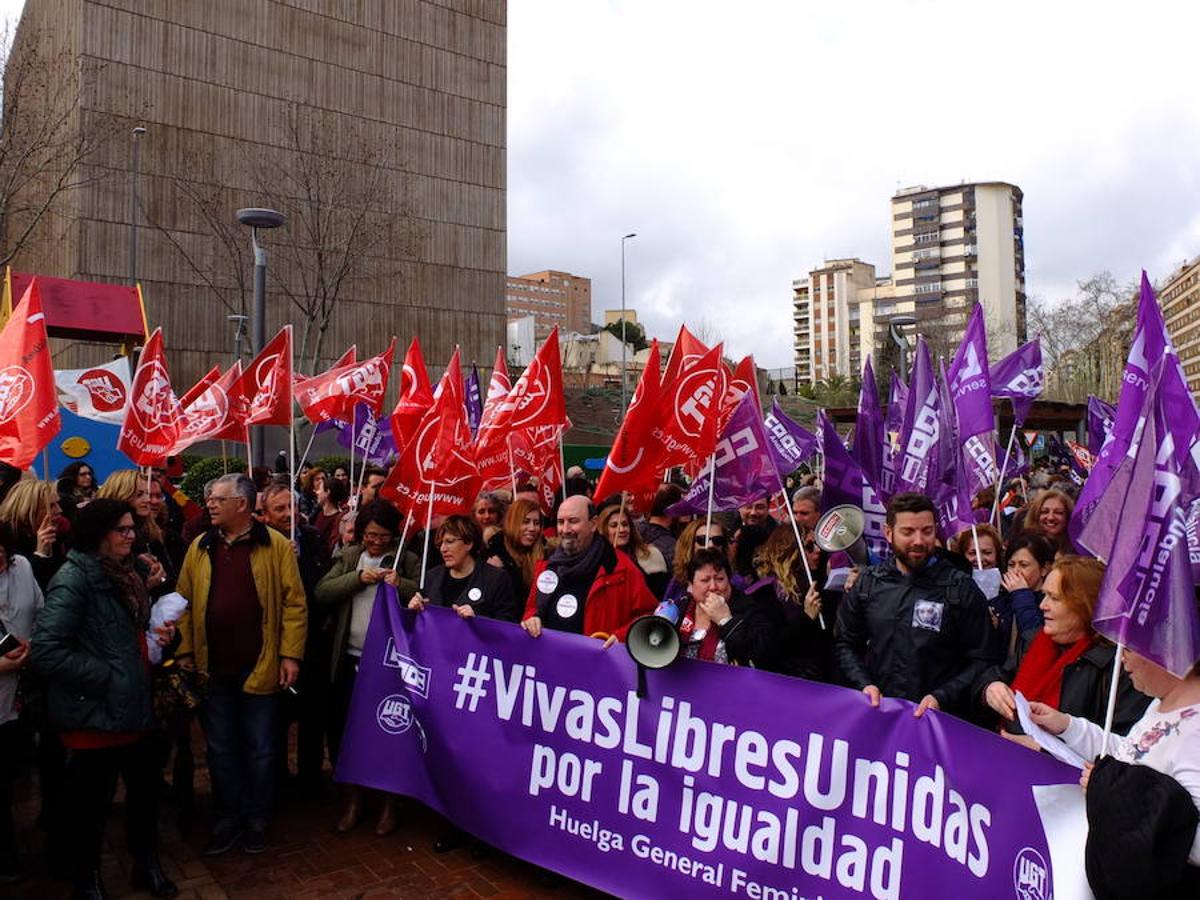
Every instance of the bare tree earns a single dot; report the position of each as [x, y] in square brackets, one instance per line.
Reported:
[349, 217]
[45, 140]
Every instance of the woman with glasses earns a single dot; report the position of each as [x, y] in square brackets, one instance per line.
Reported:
[463, 581]
[89, 646]
[149, 549]
[350, 586]
[696, 535]
[802, 614]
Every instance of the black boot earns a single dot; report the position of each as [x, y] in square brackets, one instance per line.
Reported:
[148, 876]
[90, 887]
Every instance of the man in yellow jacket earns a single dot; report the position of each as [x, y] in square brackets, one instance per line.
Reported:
[245, 626]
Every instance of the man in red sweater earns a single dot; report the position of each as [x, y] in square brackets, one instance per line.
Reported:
[586, 586]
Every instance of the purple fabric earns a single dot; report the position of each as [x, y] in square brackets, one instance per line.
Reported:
[1148, 597]
[868, 444]
[1100, 422]
[1150, 344]
[790, 444]
[893, 423]
[372, 439]
[919, 434]
[744, 469]
[949, 487]
[845, 483]
[474, 399]
[542, 749]
[970, 388]
[1019, 377]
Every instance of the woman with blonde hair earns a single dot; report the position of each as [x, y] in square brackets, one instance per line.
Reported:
[31, 508]
[696, 535]
[801, 613]
[1048, 515]
[1065, 664]
[519, 545]
[149, 551]
[616, 525]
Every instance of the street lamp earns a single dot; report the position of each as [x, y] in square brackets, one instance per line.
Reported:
[239, 328]
[135, 161]
[894, 326]
[257, 218]
[624, 373]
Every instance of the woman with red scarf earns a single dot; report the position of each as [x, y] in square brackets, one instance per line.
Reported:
[1066, 665]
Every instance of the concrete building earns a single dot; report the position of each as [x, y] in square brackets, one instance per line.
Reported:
[552, 298]
[1180, 301]
[407, 97]
[827, 319]
[953, 247]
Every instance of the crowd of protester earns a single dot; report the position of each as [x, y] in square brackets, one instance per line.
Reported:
[281, 579]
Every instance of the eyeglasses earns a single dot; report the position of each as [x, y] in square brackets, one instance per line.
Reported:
[704, 540]
[126, 530]
[214, 498]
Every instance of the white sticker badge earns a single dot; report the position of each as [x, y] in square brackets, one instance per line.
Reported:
[547, 582]
[567, 606]
[474, 594]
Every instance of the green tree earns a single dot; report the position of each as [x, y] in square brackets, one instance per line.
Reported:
[635, 334]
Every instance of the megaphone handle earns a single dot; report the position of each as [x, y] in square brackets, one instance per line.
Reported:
[641, 688]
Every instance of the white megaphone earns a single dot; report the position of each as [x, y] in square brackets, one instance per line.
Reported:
[841, 531]
[653, 642]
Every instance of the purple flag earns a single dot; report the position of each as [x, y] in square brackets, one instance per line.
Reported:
[920, 431]
[473, 395]
[790, 443]
[1150, 344]
[970, 388]
[1193, 539]
[949, 487]
[868, 427]
[372, 439]
[1100, 422]
[845, 483]
[1148, 597]
[1019, 377]
[744, 469]
[893, 423]
[700, 788]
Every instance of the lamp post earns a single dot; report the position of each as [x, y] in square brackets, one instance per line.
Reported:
[257, 218]
[894, 326]
[624, 371]
[239, 327]
[135, 162]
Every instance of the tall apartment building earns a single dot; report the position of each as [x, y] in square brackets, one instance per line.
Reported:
[420, 84]
[1180, 301]
[552, 298]
[955, 246]
[952, 247]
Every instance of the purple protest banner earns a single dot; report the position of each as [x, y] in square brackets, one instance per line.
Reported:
[1147, 600]
[543, 749]
[893, 423]
[1019, 377]
[948, 487]
[970, 388]
[868, 427]
[473, 397]
[790, 443]
[919, 433]
[845, 483]
[372, 439]
[744, 469]
[1099, 423]
[1150, 344]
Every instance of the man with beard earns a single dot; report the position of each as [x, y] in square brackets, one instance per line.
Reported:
[586, 586]
[916, 626]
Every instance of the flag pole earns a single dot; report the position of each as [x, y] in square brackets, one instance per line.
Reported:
[428, 525]
[712, 481]
[1000, 481]
[403, 535]
[1112, 698]
[975, 541]
[304, 456]
[799, 541]
[353, 422]
[562, 461]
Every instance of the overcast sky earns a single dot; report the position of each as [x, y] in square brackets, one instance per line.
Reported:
[746, 142]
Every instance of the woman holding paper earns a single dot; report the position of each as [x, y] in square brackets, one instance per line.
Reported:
[1145, 856]
[1065, 664]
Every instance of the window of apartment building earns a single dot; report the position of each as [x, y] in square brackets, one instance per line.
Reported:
[925, 237]
[929, 287]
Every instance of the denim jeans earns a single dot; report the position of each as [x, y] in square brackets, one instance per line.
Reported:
[242, 743]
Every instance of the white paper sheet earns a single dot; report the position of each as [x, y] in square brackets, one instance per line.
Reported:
[1052, 744]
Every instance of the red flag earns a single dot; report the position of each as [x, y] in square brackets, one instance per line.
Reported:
[205, 382]
[627, 467]
[686, 418]
[211, 414]
[346, 359]
[29, 417]
[333, 394]
[744, 378]
[688, 350]
[235, 425]
[498, 388]
[152, 417]
[416, 395]
[267, 382]
[437, 460]
[536, 452]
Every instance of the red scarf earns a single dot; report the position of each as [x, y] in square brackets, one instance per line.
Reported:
[1040, 675]
[708, 643]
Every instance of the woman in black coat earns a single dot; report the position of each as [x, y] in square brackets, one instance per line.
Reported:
[464, 581]
[718, 622]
